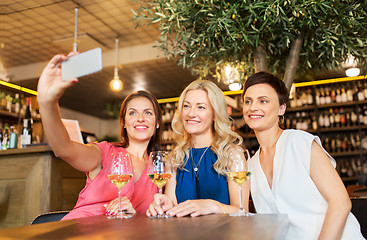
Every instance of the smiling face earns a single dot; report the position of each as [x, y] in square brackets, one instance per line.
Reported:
[261, 107]
[140, 119]
[197, 114]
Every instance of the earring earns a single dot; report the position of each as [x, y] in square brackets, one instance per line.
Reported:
[157, 126]
[281, 119]
[125, 127]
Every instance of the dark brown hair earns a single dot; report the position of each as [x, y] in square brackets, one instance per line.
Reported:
[268, 78]
[155, 141]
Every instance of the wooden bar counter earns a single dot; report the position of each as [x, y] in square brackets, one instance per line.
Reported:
[140, 227]
[34, 181]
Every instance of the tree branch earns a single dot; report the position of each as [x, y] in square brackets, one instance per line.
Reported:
[260, 59]
[292, 61]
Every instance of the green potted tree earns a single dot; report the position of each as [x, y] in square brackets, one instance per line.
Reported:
[285, 37]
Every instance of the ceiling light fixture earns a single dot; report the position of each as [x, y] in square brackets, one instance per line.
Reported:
[234, 86]
[352, 72]
[116, 84]
[75, 44]
[231, 77]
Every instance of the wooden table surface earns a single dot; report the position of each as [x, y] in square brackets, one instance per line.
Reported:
[218, 226]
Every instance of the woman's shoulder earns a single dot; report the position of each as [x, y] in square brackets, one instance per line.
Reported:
[297, 134]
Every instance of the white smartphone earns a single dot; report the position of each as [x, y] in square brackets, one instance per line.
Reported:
[82, 64]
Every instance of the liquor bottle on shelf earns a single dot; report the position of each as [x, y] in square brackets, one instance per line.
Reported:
[353, 118]
[333, 94]
[344, 96]
[348, 121]
[342, 117]
[26, 137]
[321, 121]
[13, 139]
[350, 92]
[326, 144]
[326, 120]
[322, 97]
[317, 97]
[327, 96]
[299, 101]
[309, 97]
[6, 138]
[314, 123]
[331, 117]
[353, 143]
[16, 103]
[360, 93]
[360, 115]
[337, 118]
[338, 143]
[344, 143]
[9, 102]
[365, 114]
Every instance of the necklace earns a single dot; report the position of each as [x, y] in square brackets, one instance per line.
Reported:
[196, 167]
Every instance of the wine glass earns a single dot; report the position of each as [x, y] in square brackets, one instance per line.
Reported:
[237, 171]
[160, 171]
[120, 172]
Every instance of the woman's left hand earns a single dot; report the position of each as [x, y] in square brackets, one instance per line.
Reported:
[112, 207]
[195, 208]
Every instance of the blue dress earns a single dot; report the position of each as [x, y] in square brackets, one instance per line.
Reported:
[207, 185]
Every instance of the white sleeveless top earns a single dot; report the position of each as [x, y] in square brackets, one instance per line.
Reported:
[293, 191]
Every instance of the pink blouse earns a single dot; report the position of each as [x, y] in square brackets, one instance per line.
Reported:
[100, 190]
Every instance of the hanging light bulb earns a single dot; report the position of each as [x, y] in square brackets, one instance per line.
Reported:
[234, 86]
[116, 84]
[352, 72]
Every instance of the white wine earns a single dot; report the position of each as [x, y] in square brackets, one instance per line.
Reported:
[120, 180]
[159, 179]
[239, 177]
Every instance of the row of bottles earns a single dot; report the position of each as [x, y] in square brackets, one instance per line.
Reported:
[351, 167]
[12, 102]
[328, 94]
[9, 135]
[328, 118]
[343, 142]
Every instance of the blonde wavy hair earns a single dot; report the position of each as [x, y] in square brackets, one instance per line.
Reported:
[224, 137]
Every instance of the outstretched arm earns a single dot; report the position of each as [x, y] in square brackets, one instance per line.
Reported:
[50, 88]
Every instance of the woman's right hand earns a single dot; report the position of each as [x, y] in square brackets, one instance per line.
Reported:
[50, 85]
[161, 203]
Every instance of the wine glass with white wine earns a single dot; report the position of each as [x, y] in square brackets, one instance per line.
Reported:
[237, 171]
[120, 172]
[160, 170]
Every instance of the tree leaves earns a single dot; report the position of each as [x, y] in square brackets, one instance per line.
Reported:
[203, 34]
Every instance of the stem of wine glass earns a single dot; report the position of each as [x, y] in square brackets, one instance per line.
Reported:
[241, 204]
[119, 213]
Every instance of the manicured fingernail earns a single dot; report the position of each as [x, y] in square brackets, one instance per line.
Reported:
[113, 213]
[74, 81]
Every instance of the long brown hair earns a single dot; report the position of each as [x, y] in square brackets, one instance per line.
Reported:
[155, 140]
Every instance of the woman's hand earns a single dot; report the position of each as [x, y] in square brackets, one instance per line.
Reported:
[112, 207]
[50, 85]
[196, 208]
[161, 203]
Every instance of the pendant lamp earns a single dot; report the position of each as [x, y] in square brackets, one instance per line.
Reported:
[116, 84]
